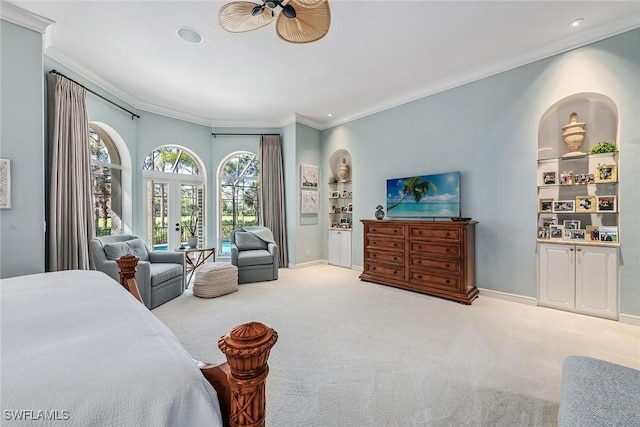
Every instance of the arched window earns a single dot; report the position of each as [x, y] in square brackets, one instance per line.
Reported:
[106, 182]
[175, 197]
[238, 190]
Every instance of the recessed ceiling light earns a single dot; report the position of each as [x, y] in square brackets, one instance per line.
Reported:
[576, 22]
[330, 114]
[189, 35]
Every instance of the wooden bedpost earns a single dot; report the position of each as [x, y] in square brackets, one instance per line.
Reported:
[247, 348]
[127, 264]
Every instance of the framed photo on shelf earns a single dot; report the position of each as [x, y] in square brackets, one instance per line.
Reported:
[545, 205]
[606, 203]
[577, 234]
[350, 207]
[561, 206]
[592, 233]
[547, 220]
[334, 195]
[548, 178]
[566, 178]
[309, 176]
[609, 234]
[606, 173]
[556, 231]
[543, 232]
[586, 204]
[571, 224]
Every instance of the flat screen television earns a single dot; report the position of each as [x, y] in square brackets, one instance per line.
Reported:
[425, 196]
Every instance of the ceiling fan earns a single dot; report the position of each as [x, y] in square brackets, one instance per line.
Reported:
[297, 21]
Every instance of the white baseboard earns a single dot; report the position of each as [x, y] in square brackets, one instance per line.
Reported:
[508, 297]
[308, 264]
[629, 319]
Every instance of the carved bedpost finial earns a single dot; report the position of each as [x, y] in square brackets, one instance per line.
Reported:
[127, 264]
[247, 349]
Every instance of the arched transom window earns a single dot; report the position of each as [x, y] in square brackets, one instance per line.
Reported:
[106, 183]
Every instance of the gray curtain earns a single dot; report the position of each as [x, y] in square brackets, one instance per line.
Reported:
[70, 225]
[272, 213]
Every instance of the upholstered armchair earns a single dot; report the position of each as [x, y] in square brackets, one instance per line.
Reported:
[160, 275]
[255, 254]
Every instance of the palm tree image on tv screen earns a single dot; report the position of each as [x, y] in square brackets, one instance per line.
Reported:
[425, 196]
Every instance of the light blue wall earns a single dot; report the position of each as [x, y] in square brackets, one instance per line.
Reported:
[309, 235]
[488, 131]
[289, 160]
[22, 244]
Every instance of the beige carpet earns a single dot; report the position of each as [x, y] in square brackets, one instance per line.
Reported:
[352, 353]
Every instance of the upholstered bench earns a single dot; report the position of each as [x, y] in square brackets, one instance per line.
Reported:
[215, 279]
[598, 393]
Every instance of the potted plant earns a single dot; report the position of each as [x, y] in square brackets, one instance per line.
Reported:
[192, 226]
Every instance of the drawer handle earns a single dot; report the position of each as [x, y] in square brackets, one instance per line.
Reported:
[447, 281]
[395, 272]
[448, 234]
[447, 265]
[419, 276]
[448, 249]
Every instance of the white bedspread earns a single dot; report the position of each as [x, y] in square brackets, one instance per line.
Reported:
[79, 350]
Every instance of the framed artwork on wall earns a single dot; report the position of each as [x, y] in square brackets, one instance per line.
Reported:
[5, 184]
[309, 202]
[309, 176]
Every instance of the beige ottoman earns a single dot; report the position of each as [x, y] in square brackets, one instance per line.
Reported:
[214, 279]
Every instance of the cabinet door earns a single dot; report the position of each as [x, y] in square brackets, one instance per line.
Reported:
[556, 276]
[345, 249]
[597, 281]
[334, 247]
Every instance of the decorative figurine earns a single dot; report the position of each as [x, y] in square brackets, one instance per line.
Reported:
[379, 212]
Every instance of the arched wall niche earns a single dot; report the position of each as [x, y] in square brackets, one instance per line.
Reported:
[599, 113]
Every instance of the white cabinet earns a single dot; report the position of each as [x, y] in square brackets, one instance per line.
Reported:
[579, 278]
[340, 248]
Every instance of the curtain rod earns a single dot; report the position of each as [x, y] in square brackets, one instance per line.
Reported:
[96, 94]
[244, 134]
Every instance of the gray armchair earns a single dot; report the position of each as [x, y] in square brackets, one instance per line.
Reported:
[160, 275]
[256, 259]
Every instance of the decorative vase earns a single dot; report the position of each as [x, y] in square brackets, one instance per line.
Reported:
[192, 241]
[379, 212]
[344, 171]
[573, 135]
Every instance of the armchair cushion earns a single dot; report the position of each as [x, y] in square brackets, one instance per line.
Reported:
[255, 257]
[161, 272]
[115, 250]
[248, 241]
[138, 248]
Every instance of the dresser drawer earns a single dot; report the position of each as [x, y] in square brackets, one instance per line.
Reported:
[440, 233]
[385, 270]
[434, 280]
[380, 242]
[391, 257]
[447, 250]
[450, 266]
[385, 229]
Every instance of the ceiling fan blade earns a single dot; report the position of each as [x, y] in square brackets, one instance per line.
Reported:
[309, 25]
[310, 3]
[236, 17]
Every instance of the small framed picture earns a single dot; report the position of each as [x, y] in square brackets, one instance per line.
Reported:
[345, 193]
[309, 176]
[334, 195]
[606, 203]
[566, 178]
[586, 204]
[545, 205]
[571, 224]
[556, 231]
[350, 207]
[608, 234]
[543, 232]
[592, 233]
[548, 178]
[564, 206]
[606, 173]
[577, 234]
[591, 178]
[547, 220]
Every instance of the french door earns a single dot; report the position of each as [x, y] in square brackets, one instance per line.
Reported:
[175, 208]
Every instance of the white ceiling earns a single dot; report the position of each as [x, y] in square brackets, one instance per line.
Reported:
[377, 54]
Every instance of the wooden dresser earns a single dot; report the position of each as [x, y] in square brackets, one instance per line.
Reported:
[432, 257]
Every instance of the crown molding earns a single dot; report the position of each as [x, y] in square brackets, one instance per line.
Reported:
[12, 13]
[561, 46]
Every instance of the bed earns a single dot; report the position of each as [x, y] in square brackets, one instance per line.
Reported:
[78, 347]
